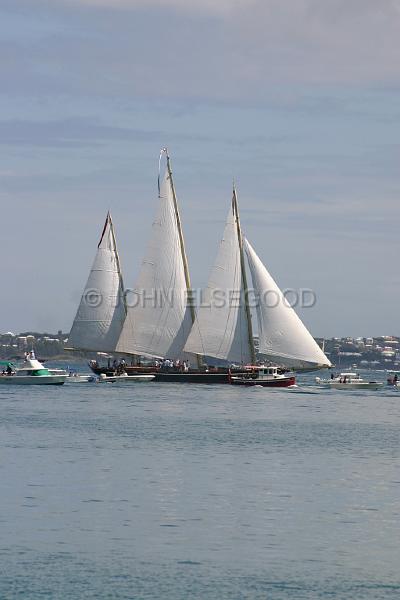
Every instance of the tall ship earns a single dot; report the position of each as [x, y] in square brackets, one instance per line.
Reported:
[160, 320]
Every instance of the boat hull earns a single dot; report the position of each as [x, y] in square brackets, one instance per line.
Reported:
[171, 376]
[279, 382]
[125, 379]
[33, 380]
[192, 377]
[80, 378]
[354, 386]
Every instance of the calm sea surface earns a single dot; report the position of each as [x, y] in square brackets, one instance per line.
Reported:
[163, 491]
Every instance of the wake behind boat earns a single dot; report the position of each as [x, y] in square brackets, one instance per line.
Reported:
[32, 372]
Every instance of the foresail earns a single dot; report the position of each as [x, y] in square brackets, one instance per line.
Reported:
[158, 318]
[282, 335]
[101, 313]
[220, 328]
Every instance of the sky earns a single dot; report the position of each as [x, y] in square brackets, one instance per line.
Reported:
[296, 100]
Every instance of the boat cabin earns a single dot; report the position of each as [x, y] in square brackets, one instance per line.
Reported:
[267, 372]
[32, 367]
[349, 377]
[6, 367]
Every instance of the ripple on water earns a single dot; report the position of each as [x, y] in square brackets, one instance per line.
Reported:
[179, 492]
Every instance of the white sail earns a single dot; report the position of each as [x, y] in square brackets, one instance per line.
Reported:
[158, 318]
[220, 329]
[283, 337]
[101, 313]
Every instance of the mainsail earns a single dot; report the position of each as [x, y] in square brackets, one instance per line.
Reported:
[159, 317]
[221, 327]
[283, 337]
[101, 313]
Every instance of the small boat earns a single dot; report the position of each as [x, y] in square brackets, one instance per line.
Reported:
[75, 377]
[124, 378]
[32, 372]
[266, 377]
[348, 381]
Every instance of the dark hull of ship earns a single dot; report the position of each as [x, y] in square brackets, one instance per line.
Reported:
[175, 376]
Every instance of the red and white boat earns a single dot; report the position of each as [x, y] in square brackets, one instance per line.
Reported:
[265, 377]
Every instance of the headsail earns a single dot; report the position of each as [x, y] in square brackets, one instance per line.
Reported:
[101, 313]
[220, 329]
[159, 318]
[283, 337]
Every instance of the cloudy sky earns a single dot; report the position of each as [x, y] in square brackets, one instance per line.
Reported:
[298, 100]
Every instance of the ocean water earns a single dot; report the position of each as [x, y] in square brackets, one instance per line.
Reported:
[163, 491]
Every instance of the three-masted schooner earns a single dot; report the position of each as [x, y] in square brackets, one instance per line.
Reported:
[160, 321]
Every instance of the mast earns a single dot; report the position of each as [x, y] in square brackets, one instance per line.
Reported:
[118, 262]
[182, 246]
[244, 278]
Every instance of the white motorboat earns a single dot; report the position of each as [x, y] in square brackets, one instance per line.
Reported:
[32, 372]
[348, 381]
[124, 378]
[74, 377]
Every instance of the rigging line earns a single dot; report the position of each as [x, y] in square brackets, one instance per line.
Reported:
[162, 151]
[118, 264]
[244, 277]
[228, 319]
[104, 228]
[241, 323]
